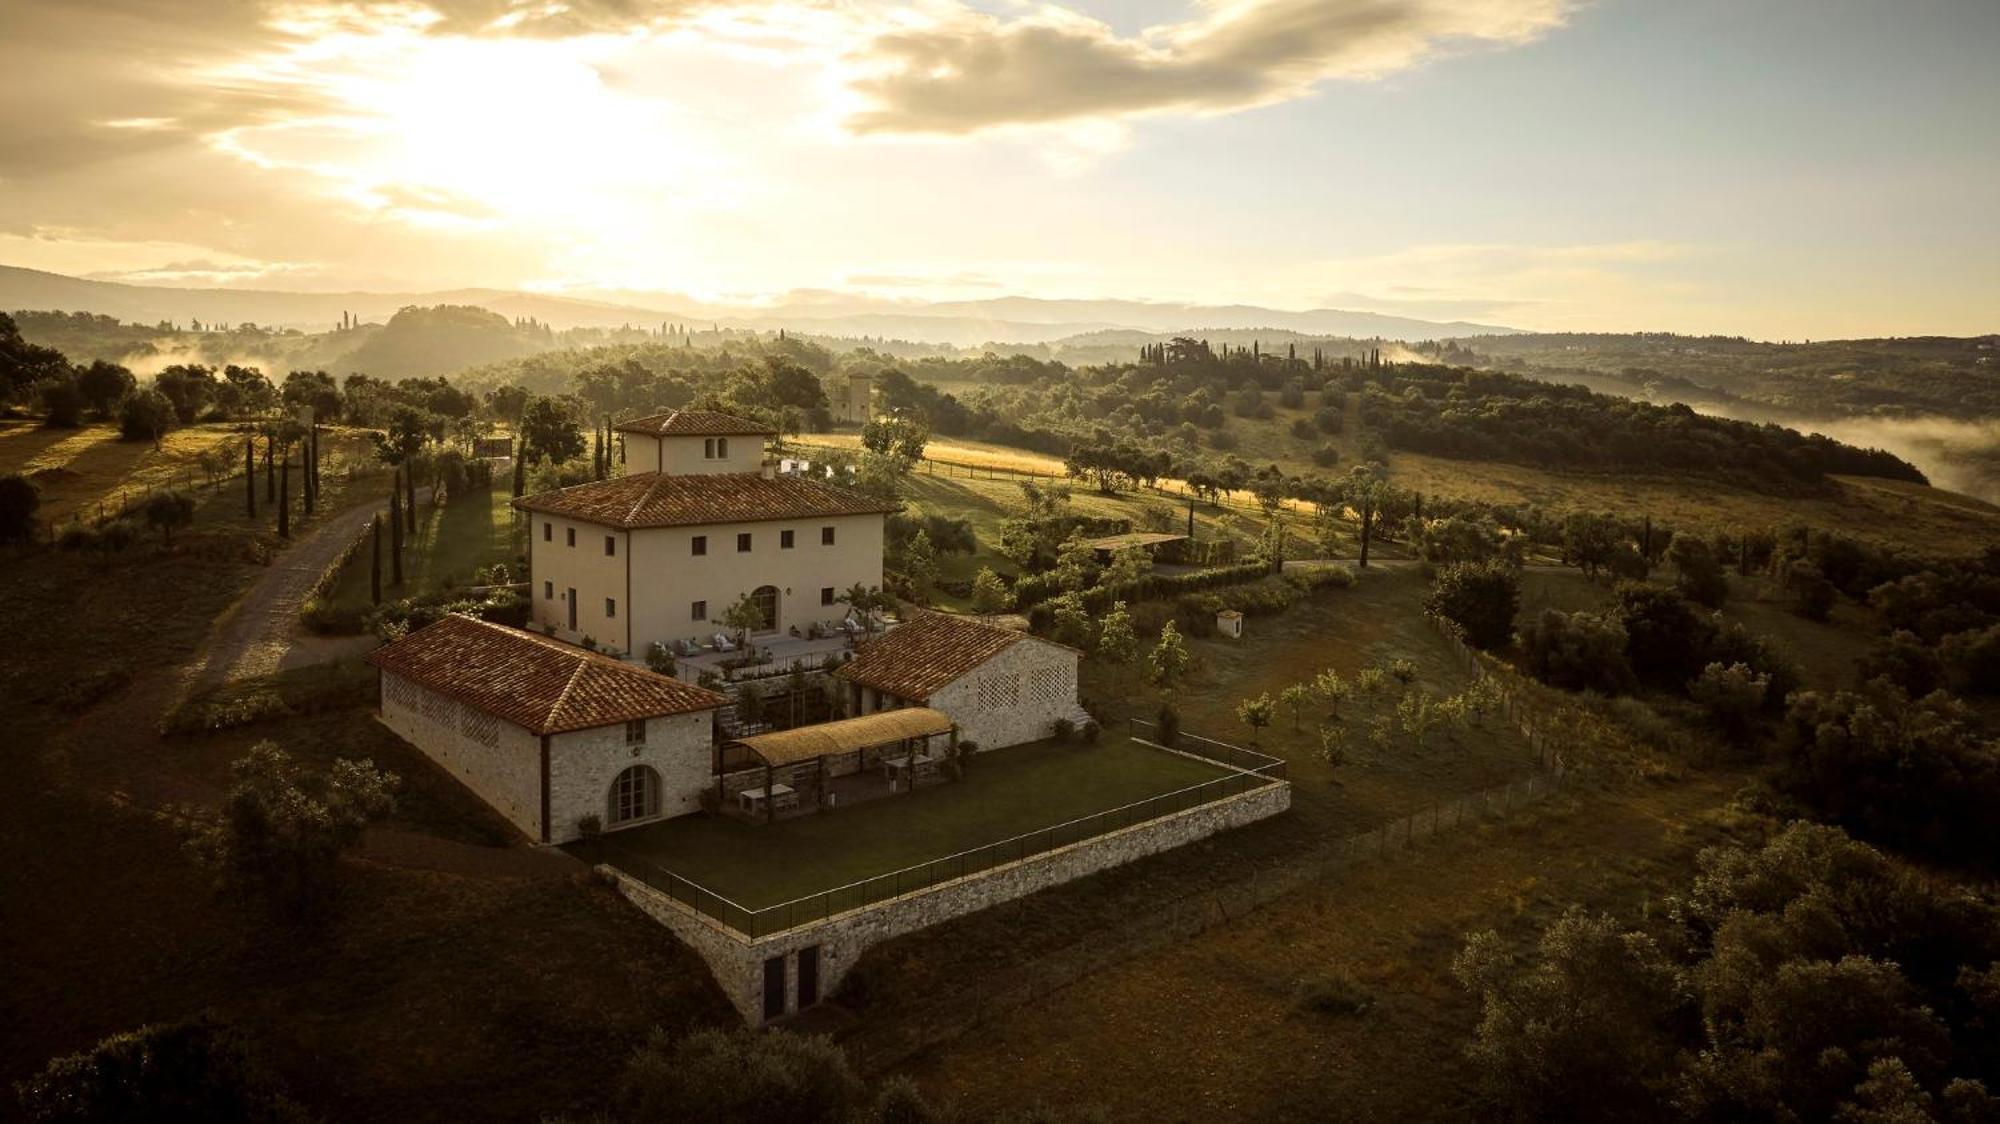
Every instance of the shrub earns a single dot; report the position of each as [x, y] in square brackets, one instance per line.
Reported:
[1578, 652]
[1972, 660]
[1481, 598]
[1335, 993]
[739, 1075]
[19, 500]
[63, 403]
[660, 659]
[1733, 695]
[282, 829]
[1091, 732]
[590, 826]
[1812, 594]
[199, 1069]
[1169, 725]
[1063, 730]
[146, 416]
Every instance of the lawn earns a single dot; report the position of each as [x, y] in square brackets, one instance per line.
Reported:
[1005, 793]
[450, 543]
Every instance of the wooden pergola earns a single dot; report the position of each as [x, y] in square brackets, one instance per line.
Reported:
[907, 728]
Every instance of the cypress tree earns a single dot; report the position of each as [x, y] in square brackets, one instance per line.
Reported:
[307, 492]
[520, 468]
[375, 561]
[270, 468]
[285, 497]
[410, 496]
[250, 476]
[396, 536]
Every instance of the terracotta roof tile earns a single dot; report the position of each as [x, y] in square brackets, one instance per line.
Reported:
[694, 423]
[654, 499]
[922, 656]
[542, 685]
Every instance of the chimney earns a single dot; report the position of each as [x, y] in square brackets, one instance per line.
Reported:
[770, 470]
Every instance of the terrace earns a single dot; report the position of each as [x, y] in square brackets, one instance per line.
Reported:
[774, 654]
[760, 878]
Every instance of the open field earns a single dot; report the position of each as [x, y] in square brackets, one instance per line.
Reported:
[1213, 1027]
[1005, 793]
[78, 469]
[471, 533]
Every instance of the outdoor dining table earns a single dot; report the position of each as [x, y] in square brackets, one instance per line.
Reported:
[750, 798]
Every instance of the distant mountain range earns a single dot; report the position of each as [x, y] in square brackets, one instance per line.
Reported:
[1002, 320]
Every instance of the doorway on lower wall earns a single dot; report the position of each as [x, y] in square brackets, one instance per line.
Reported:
[774, 988]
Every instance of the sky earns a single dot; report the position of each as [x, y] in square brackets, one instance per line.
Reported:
[1780, 169]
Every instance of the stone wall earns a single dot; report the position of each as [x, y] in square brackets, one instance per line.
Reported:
[738, 962]
[1013, 698]
[499, 761]
[583, 763]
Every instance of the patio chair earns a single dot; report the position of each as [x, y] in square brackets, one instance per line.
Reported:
[723, 643]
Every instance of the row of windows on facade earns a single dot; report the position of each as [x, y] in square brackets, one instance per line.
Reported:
[697, 611]
[743, 540]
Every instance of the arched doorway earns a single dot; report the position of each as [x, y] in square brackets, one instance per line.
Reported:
[635, 795]
[765, 598]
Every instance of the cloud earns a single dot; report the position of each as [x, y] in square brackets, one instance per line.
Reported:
[965, 71]
[1530, 285]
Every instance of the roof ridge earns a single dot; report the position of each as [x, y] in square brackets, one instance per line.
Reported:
[562, 697]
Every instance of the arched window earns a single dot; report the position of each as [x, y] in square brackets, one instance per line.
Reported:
[635, 795]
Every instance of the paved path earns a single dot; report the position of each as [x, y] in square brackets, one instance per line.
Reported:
[254, 637]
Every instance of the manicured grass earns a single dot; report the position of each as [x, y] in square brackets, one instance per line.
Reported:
[452, 541]
[1005, 793]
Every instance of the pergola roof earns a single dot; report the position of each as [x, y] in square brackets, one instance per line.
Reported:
[849, 735]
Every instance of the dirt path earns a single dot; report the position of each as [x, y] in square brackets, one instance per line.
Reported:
[258, 632]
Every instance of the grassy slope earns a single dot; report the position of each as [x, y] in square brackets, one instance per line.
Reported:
[1209, 1030]
[464, 980]
[471, 533]
[1884, 510]
[1825, 652]
[77, 469]
[1345, 629]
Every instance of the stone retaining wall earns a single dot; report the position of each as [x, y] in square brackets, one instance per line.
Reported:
[738, 962]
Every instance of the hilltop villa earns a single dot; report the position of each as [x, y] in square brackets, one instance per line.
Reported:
[551, 731]
[696, 522]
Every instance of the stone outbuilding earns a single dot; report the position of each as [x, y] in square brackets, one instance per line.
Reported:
[546, 733]
[1000, 687]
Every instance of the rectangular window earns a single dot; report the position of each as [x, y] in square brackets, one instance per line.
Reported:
[743, 542]
[611, 546]
[784, 540]
[548, 591]
[826, 536]
[569, 535]
[701, 544]
[548, 532]
[610, 607]
[699, 612]
[635, 732]
[826, 595]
